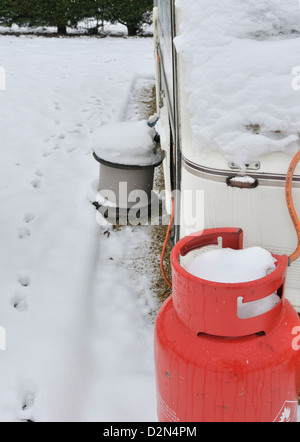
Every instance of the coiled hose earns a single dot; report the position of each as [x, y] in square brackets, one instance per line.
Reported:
[290, 204]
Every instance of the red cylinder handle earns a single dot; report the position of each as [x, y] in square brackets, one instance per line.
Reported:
[212, 308]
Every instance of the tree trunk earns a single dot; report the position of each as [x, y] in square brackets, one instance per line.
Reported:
[132, 30]
[62, 29]
[93, 31]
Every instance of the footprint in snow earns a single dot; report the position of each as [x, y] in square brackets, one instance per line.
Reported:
[71, 149]
[26, 414]
[39, 173]
[47, 154]
[29, 217]
[37, 183]
[19, 303]
[28, 401]
[24, 233]
[56, 105]
[24, 280]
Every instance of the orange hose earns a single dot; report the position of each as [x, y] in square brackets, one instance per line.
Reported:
[165, 245]
[291, 206]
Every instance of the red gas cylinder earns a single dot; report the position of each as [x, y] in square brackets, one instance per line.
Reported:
[212, 366]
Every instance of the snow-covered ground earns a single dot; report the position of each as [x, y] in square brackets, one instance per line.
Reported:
[78, 330]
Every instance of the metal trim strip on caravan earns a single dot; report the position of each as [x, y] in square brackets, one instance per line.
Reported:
[166, 87]
[208, 173]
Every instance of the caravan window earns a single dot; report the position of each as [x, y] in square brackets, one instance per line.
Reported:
[166, 43]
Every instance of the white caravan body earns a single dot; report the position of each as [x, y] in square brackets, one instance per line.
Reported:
[260, 209]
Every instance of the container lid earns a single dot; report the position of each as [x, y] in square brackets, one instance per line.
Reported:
[127, 143]
[157, 160]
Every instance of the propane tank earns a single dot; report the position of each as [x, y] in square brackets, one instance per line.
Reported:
[212, 366]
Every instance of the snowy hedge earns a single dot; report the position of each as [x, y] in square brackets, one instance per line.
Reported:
[68, 13]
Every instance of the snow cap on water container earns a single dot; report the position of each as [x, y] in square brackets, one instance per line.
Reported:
[211, 307]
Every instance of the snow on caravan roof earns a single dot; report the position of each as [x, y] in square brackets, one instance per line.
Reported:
[241, 57]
